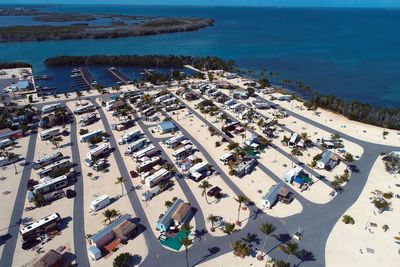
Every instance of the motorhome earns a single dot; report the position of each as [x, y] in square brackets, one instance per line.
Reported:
[48, 134]
[136, 145]
[148, 164]
[148, 111]
[6, 142]
[38, 228]
[50, 108]
[284, 97]
[229, 126]
[129, 137]
[162, 98]
[148, 151]
[261, 105]
[49, 186]
[99, 203]
[168, 101]
[157, 177]
[99, 151]
[100, 165]
[5, 161]
[45, 171]
[86, 137]
[197, 171]
[294, 139]
[174, 141]
[226, 158]
[85, 108]
[46, 160]
[183, 152]
[87, 120]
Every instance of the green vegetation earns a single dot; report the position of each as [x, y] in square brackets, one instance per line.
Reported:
[241, 250]
[142, 61]
[204, 186]
[122, 260]
[12, 65]
[109, 215]
[347, 219]
[240, 199]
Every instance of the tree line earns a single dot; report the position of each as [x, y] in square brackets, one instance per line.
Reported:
[209, 62]
[12, 65]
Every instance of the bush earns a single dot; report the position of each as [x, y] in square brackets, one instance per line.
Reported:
[347, 219]
[83, 131]
[217, 144]
[388, 195]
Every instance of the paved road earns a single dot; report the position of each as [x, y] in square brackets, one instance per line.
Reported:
[80, 247]
[7, 256]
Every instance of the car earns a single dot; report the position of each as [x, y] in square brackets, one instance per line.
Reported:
[91, 146]
[214, 191]
[133, 174]
[70, 193]
[88, 162]
[104, 139]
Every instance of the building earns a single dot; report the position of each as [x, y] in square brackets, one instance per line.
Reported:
[120, 228]
[179, 212]
[50, 259]
[21, 85]
[167, 127]
[328, 161]
[271, 197]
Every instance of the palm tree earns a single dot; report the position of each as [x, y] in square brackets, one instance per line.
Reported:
[56, 141]
[186, 228]
[13, 158]
[212, 219]
[228, 229]
[260, 123]
[277, 263]
[121, 180]
[205, 185]
[79, 95]
[108, 215]
[290, 248]
[90, 175]
[306, 138]
[267, 229]
[240, 199]
[168, 204]
[186, 242]
[336, 136]
[38, 199]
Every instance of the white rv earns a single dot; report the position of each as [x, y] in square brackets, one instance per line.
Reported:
[98, 151]
[48, 134]
[129, 137]
[100, 202]
[136, 145]
[148, 151]
[157, 177]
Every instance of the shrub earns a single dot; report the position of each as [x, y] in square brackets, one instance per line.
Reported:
[347, 219]
[83, 131]
[217, 144]
[385, 227]
[388, 195]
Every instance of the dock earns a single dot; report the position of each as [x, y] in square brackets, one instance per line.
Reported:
[118, 76]
[83, 79]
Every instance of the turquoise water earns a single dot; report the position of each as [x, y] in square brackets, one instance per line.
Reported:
[352, 53]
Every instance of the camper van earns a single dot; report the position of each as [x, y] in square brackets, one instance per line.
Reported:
[45, 171]
[49, 186]
[83, 109]
[99, 203]
[174, 141]
[48, 134]
[46, 160]
[226, 158]
[87, 120]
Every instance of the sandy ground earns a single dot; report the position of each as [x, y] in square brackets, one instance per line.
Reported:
[63, 206]
[228, 259]
[9, 183]
[101, 183]
[347, 240]
[155, 206]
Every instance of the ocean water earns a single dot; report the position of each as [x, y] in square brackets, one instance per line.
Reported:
[351, 53]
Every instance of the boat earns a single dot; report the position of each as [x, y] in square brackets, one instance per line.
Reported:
[113, 68]
[44, 77]
[76, 70]
[76, 75]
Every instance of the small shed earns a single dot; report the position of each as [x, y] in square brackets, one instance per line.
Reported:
[94, 252]
[166, 127]
[124, 230]
[50, 259]
[182, 213]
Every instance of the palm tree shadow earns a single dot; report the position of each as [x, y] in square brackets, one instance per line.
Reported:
[255, 214]
[304, 255]
[212, 251]
[282, 239]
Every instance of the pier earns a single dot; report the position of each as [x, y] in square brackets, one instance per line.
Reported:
[83, 79]
[118, 76]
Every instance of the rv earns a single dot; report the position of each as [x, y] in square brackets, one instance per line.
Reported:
[129, 137]
[168, 101]
[45, 171]
[50, 108]
[148, 151]
[100, 165]
[262, 105]
[148, 164]
[48, 134]
[157, 177]
[148, 111]
[284, 97]
[271, 197]
[174, 141]
[87, 120]
[100, 203]
[226, 158]
[83, 109]
[4, 161]
[162, 98]
[229, 126]
[86, 137]
[6, 142]
[49, 186]
[98, 151]
[183, 152]
[46, 160]
[136, 145]
[197, 170]
[294, 139]
[43, 226]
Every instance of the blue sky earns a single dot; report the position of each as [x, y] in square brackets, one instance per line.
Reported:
[297, 3]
